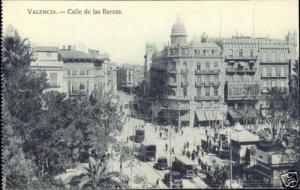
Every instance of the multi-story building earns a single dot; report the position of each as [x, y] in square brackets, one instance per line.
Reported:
[47, 59]
[200, 81]
[75, 72]
[129, 76]
[185, 76]
[150, 51]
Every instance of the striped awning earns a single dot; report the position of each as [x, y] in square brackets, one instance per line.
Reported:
[200, 115]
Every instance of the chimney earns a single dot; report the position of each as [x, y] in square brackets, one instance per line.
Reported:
[69, 47]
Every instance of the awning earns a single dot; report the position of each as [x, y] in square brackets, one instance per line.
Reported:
[200, 115]
[234, 115]
[217, 115]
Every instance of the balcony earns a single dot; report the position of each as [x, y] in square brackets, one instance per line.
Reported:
[185, 71]
[231, 57]
[243, 97]
[171, 97]
[172, 71]
[170, 83]
[274, 62]
[244, 70]
[215, 83]
[273, 76]
[184, 83]
[207, 72]
[197, 98]
[176, 107]
[199, 84]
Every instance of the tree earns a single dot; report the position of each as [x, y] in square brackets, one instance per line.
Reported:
[22, 89]
[96, 176]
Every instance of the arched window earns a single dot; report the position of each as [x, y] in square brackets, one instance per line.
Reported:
[185, 66]
[172, 92]
[173, 66]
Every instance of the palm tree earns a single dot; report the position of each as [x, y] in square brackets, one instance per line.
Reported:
[96, 176]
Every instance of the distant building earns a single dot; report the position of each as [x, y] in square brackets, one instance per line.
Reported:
[129, 77]
[150, 51]
[75, 72]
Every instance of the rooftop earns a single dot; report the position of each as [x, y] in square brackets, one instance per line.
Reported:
[67, 54]
[45, 49]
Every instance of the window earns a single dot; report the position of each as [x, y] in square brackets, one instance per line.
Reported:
[264, 71]
[69, 72]
[207, 91]
[87, 72]
[273, 71]
[216, 65]
[199, 92]
[53, 79]
[87, 85]
[265, 84]
[74, 72]
[216, 78]
[216, 92]
[69, 86]
[281, 71]
[173, 66]
[48, 54]
[172, 92]
[82, 87]
[198, 79]
[241, 53]
[282, 84]
[213, 52]
[204, 52]
[81, 72]
[230, 53]
[184, 91]
[207, 65]
[207, 78]
[185, 66]
[74, 87]
[273, 83]
[184, 79]
[199, 66]
[251, 53]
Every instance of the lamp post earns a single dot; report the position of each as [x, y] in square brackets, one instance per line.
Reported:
[230, 155]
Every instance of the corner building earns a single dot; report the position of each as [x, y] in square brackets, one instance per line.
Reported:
[186, 80]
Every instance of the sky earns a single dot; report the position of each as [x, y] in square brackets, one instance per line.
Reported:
[124, 36]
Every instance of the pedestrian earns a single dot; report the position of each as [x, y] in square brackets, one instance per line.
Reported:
[193, 156]
[197, 153]
[166, 147]
[202, 153]
[188, 154]
[181, 132]
[121, 166]
[184, 146]
[198, 147]
[155, 128]
[173, 150]
[160, 134]
[183, 152]
[199, 161]
[157, 182]
[187, 144]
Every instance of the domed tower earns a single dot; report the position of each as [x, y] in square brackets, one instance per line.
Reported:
[178, 34]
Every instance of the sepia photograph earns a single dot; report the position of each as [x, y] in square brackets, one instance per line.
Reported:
[150, 94]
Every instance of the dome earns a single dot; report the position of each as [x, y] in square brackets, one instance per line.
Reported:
[178, 28]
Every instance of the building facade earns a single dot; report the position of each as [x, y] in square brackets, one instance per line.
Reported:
[185, 76]
[208, 81]
[129, 76]
[74, 72]
[47, 59]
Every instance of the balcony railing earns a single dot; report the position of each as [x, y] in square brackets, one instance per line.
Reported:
[184, 71]
[207, 71]
[215, 83]
[198, 84]
[243, 97]
[184, 83]
[274, 76]
[171, 97]
[181, 107]
[244, 70]
[197, 98]
[241, 58]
